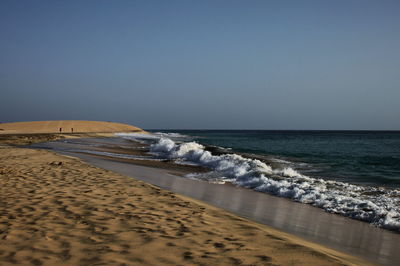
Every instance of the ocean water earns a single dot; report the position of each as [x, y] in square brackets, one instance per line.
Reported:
[360, 157]
[350, 173]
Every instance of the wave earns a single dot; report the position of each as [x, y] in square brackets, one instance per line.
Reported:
[170, 135]
[376, 205]
[137, 136]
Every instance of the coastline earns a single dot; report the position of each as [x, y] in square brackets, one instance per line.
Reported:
[60, 209]
[307, 222]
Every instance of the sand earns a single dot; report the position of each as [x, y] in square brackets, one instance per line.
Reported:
[67, 126]
[59, 210]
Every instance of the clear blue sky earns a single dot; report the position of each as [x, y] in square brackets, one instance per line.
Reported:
[203, 64]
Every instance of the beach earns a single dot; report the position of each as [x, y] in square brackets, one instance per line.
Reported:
[65, 126]
[129, 158]
[57, 209]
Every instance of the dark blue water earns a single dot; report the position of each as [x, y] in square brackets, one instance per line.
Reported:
[360, 157]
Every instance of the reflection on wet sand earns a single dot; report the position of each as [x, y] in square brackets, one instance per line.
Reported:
[350, 236]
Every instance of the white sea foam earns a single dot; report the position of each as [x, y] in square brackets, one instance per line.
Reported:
[137, 136]
[170, 135]
[150, 136]
[378, 206]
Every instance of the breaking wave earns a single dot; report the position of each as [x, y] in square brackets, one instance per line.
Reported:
[137, 136]
[170, 135]
[376, 205]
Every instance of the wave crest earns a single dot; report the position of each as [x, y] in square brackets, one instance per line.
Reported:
[378, 206]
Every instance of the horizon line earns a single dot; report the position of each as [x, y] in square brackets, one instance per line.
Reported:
[180, 129]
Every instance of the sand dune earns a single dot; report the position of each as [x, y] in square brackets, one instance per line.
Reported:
[58, 210]
[66, 126]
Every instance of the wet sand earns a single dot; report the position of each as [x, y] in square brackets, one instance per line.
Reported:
[351, 236]
[60, 210]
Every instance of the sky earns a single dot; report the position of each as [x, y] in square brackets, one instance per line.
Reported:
[203, 64]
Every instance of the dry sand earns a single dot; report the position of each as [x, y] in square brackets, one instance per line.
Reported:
[58, 210]
[66, 126]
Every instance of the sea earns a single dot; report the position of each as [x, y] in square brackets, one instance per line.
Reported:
[351, 173]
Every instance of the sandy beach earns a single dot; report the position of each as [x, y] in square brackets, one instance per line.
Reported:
[57, 209]
[65, 126]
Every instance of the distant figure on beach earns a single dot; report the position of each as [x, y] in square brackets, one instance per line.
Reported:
[72, 129]
[60, 129]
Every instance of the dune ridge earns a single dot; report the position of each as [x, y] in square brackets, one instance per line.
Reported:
[65, 126]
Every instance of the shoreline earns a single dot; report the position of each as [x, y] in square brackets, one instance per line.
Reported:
[359, 197]
[28, 228]
[305, 221]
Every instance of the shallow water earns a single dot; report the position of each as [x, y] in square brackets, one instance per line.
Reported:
[360, 157]
[281, 176]
[350, 236]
